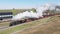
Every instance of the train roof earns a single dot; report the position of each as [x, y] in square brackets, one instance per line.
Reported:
[6, 13]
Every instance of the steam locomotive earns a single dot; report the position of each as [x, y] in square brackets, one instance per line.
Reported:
[22, 21]
[27, 20]
[45, 14]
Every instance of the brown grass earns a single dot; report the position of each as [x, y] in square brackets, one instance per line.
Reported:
[4, 24]
[52, 27]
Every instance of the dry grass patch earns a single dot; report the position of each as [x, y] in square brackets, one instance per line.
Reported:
[4, 24]
[52, 27]
[21, 27]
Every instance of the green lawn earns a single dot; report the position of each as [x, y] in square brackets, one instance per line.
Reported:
[30, 24]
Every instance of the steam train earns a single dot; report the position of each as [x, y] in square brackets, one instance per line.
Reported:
[27, 20]
[45, 14]
[6, 15]
[22, 21]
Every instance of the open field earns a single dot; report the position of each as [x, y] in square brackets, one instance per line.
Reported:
[51, 27]
[21, 27]
[4, 24]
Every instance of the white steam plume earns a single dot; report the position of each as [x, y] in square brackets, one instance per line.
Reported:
[31, 14]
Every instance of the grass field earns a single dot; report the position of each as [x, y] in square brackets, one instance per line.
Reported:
[4, 23]
[51, 27]
[29, 24]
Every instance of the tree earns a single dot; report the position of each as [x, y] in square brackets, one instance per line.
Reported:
[33, 9]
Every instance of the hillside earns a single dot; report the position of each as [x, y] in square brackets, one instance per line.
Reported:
[52, 26]
[23, 26]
